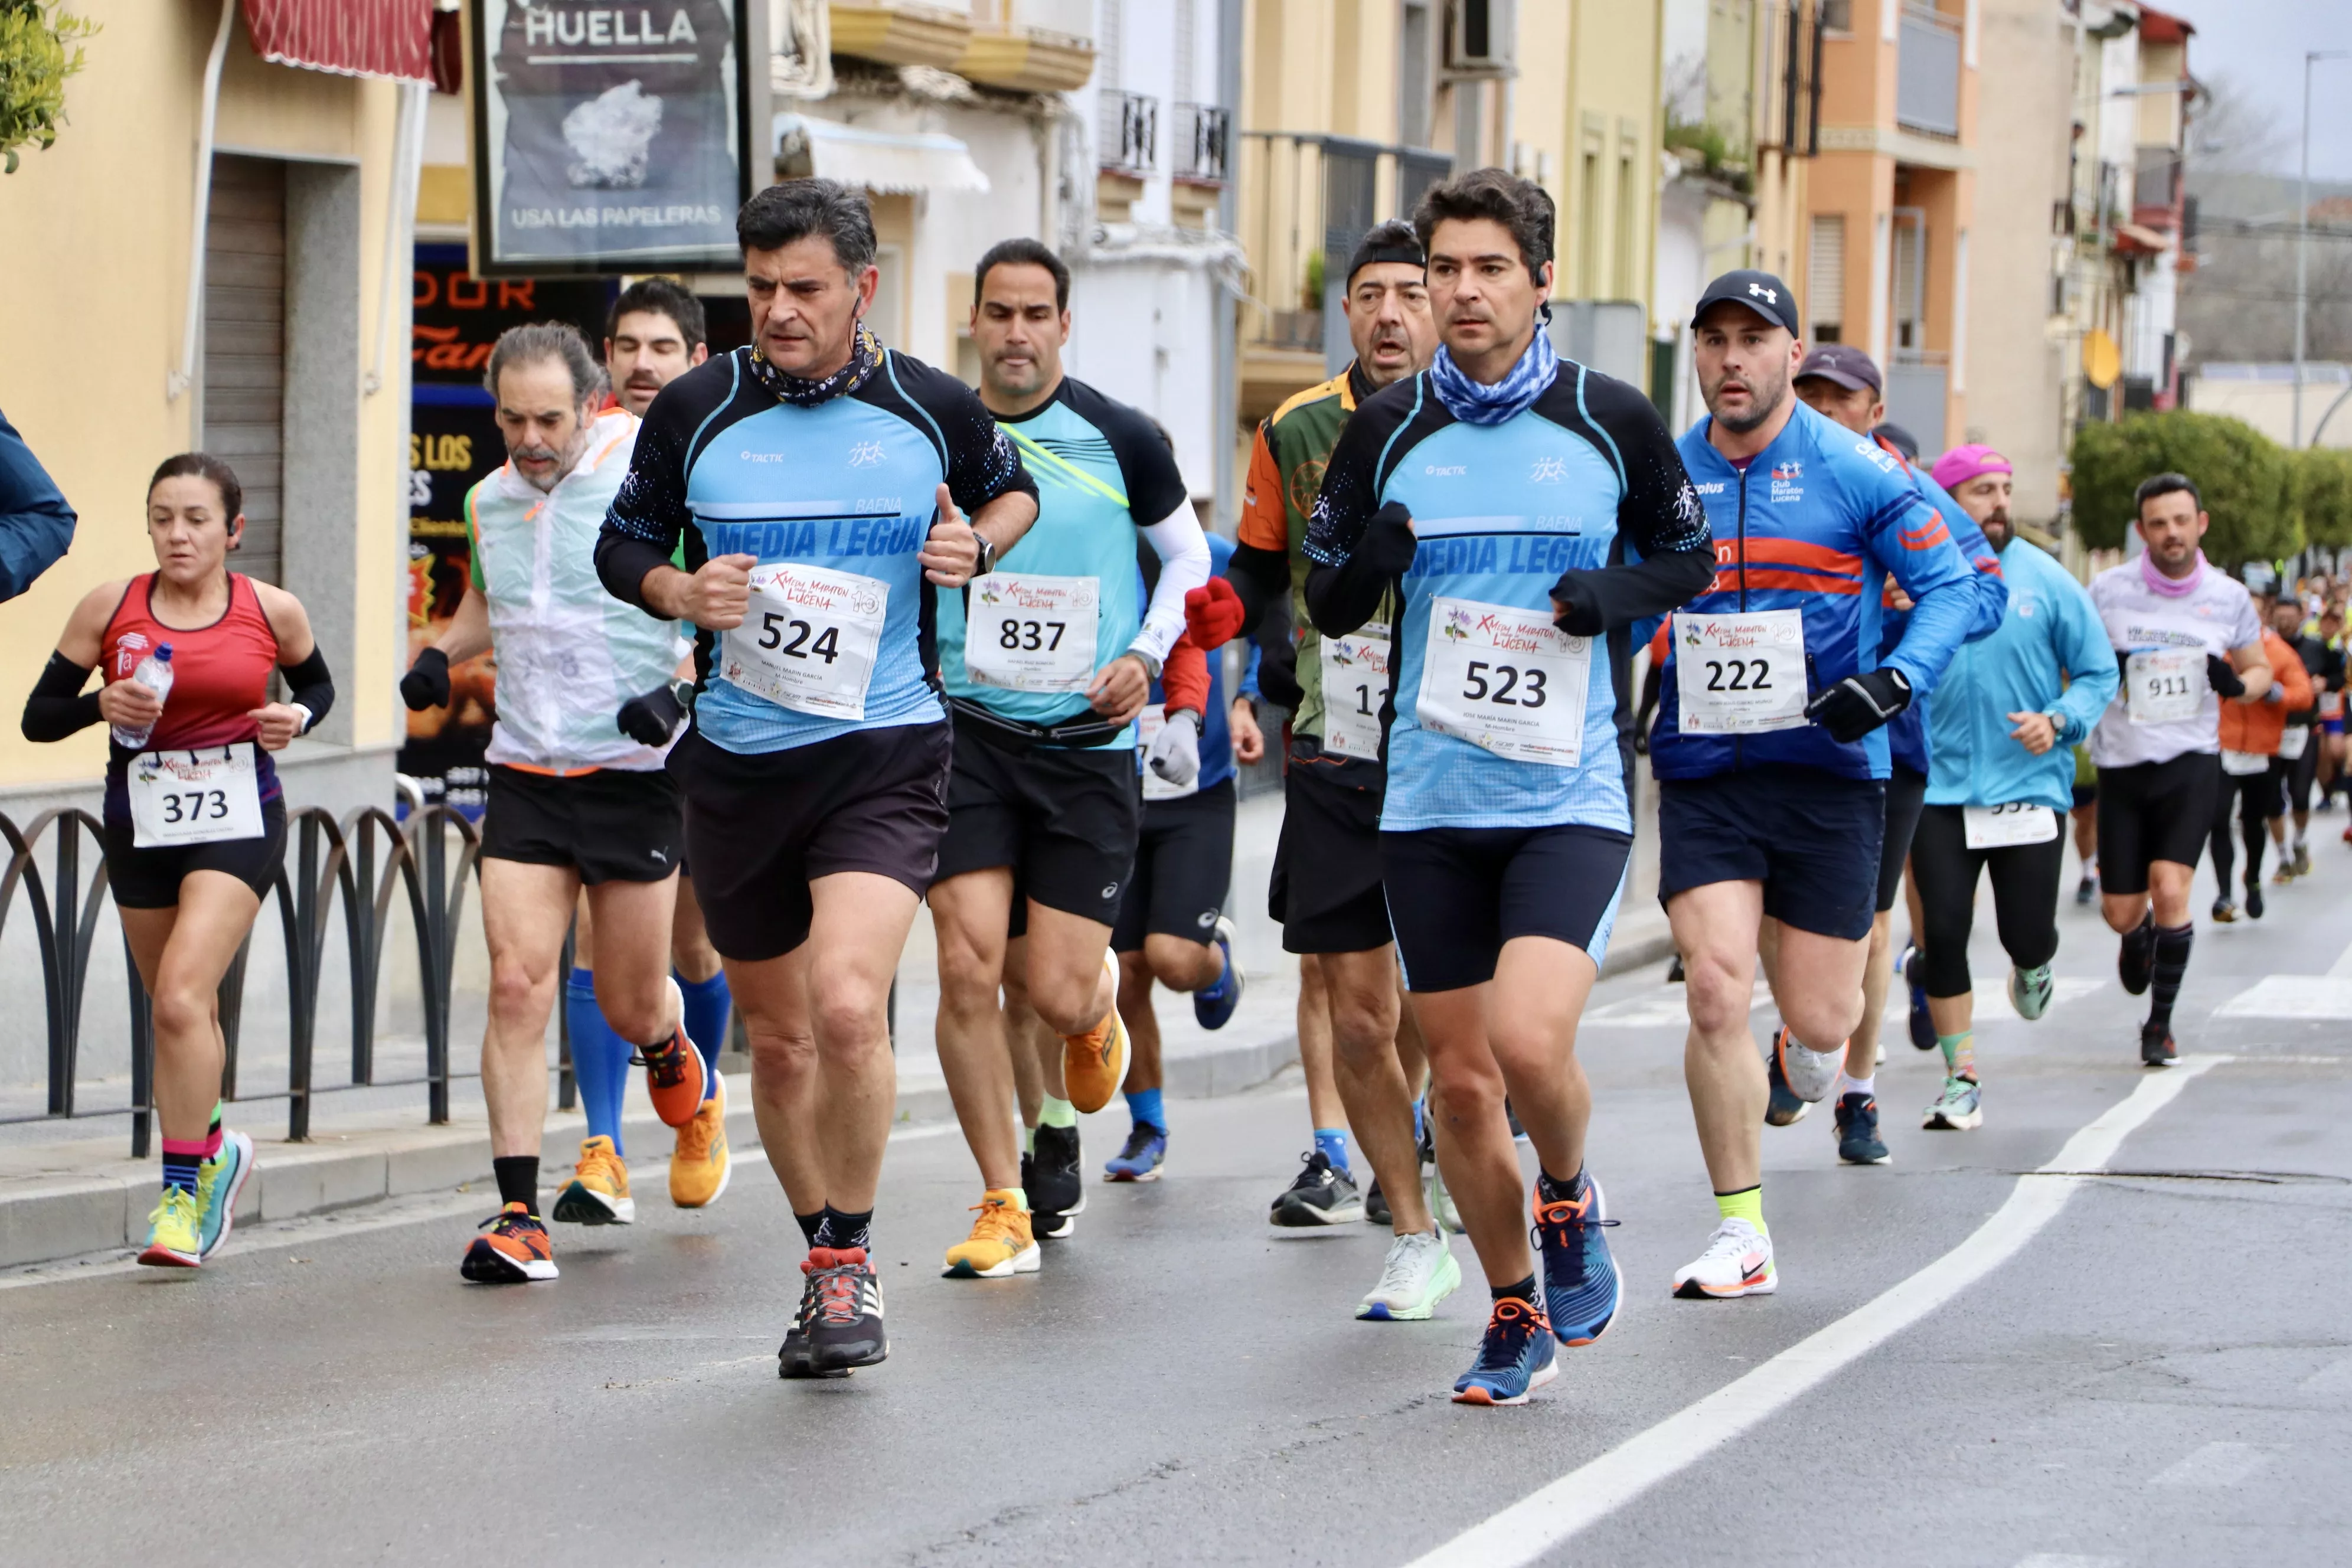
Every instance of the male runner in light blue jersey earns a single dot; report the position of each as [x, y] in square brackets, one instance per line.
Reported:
[1526, 511]
[819, 482]
[1046, 661]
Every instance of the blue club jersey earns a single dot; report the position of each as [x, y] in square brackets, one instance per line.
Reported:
[1908, 733]
[847, 485]
[1585, 479]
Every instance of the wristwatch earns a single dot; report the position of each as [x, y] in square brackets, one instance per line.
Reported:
[682, 689]
[987, 562]
[2057, 724]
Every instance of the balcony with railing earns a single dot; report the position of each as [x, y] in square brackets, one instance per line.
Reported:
[1306, 200]
[1927, 73]
[1130, 131]
[1203, 148]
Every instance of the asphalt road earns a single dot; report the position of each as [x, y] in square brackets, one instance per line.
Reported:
[2159, 1374]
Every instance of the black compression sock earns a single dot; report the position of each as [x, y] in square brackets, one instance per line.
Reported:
[810, 1224]
[2171, 964]
[1525, 1290]
[844, 1231]
[518, 1180]
[1552, 1191]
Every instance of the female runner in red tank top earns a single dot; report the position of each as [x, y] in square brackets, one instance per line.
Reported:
[195, 822]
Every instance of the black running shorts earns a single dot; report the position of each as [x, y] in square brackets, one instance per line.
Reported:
[612, 825]
[1326, 887]
[1906, 791]
[2154, 811]
[1064, 821]
[1457, 894]
[1183, 864]
[764, 826]
[1812, 837]
[150, 878]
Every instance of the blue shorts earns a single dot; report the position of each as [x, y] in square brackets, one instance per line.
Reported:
[2333, 724]
[1812, 837]
[1456, 895]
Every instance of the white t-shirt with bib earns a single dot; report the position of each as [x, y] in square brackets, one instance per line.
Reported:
[2215, 616]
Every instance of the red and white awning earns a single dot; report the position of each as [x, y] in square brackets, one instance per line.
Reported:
[351, 38]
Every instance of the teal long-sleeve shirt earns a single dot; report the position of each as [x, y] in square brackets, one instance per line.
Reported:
[2049, 655]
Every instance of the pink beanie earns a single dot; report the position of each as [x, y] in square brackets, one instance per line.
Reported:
[1961, 463]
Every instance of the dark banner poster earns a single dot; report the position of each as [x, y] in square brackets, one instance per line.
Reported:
[453, 442]
[607, 138]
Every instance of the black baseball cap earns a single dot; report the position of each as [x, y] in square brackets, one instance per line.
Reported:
[1759, 292]
[1899, 438]
[1844, 365]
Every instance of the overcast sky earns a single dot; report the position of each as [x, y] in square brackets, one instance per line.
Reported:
[2259, 46]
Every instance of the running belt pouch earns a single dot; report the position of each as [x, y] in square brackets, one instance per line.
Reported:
[1012, 736]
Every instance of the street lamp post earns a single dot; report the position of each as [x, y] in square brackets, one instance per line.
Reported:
[2303, 234]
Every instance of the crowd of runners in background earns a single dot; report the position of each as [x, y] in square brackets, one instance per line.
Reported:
[794, 639]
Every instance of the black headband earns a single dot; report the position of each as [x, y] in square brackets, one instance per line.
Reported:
[1367, 254]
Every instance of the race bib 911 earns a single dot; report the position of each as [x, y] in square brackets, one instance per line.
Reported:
[2165, 685]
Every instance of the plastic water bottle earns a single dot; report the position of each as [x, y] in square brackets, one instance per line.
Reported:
[155, 673]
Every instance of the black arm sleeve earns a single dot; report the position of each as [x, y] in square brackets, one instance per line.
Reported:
[1342, 598]
[309, 684]
[1260, 580]
[1660, 524]
[59, 707]
[621, 564]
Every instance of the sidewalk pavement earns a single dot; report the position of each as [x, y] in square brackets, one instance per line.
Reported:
[78, 1193]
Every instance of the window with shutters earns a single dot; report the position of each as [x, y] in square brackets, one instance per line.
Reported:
[245, 347]
[1825, 280]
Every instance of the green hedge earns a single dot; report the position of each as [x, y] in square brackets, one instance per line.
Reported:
[2243, 476]
[2322, 494]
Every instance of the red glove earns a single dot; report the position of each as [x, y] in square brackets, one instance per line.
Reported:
[1184, 679]
[1213, 614]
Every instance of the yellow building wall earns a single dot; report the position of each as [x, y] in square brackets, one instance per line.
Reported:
[97, 231]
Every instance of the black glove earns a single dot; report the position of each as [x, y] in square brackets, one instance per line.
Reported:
[1641, 740]
[2222, 676]
[1860, 703]
[1277, 680]
[1388, 544]
[427, 684]
[2123, 667]
[651, 718]
[1577, 605]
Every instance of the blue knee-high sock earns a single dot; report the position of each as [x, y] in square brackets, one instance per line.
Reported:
[708, 1002]
[1144, 1105]
[599, 1059]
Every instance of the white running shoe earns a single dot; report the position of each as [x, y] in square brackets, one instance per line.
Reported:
[1737, 1262]
[1809, 1074]
[1419, 1273]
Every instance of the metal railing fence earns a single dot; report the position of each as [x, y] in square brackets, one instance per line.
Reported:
[363, 859]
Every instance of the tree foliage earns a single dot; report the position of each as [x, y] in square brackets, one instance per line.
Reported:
[2241, 474]
[39, 49]
[2321, 489]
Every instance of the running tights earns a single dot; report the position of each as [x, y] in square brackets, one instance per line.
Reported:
[2024, 898]
[2260, 794]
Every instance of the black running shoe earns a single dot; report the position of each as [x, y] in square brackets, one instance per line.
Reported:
[1376, 1206]
[841, 1305]
[1857, 1132]
[2253, 897]
[1320, 1195]
[2156, 1046]
[2136, 956]
[793, 1355]
[1675, 973]
[1057, 1192]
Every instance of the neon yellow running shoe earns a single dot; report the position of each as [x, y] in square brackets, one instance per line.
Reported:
[175, 1231]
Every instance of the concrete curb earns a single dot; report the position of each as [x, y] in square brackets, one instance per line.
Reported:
[44, 1217]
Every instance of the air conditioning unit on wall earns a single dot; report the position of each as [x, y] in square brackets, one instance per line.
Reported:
[1478, 37]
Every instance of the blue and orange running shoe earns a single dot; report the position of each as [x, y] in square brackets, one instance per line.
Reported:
[1514, 1358]
[1139, 1161]
[1580, 1285]
[515, 1251]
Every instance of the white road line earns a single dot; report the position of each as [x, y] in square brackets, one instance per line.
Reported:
[2215, 1465]
[2068, 1560]
[252, 1236]
[1541, 1521]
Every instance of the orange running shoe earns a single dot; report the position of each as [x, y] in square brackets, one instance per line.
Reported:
[598, 1193]
[1095, 1064]
[674, 1072]
[700, 1168]
[515, 1252]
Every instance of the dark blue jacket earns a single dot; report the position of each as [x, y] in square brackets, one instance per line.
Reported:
[37, 526]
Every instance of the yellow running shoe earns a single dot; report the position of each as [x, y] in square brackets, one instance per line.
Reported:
[175, 1231]
[1001, 1245]
[598, 1193]
[1095, 1064]
[700, 1168]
